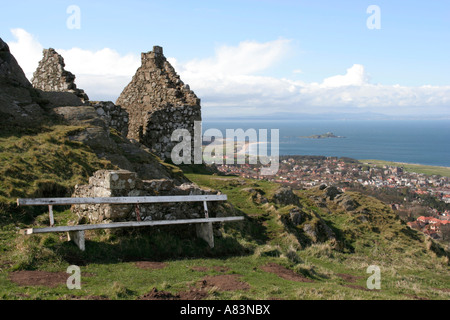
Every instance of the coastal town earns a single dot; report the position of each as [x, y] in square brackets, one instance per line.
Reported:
[423, 201]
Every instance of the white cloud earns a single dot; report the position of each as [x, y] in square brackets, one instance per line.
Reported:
[233, 79]
[102, 74]
[247, 58]
[219, 83]
[355, 76]
[27, 51]
[102, 62]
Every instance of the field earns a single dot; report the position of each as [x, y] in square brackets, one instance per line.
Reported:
[418, 168]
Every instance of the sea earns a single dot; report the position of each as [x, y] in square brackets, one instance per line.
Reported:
[424, 142]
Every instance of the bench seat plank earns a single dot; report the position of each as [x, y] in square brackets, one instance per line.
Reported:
[83, 227]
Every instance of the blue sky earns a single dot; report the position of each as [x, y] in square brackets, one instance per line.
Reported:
[293, 47]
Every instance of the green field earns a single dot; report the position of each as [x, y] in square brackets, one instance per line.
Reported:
[418, 168]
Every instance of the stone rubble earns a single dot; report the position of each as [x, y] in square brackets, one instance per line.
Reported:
[123, 183]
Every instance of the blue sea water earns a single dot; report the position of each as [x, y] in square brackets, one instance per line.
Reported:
[412, 141]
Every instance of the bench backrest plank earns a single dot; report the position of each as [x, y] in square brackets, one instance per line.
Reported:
[119, 200]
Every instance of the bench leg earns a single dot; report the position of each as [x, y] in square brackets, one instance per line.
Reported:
[78, 238]
[205, 231]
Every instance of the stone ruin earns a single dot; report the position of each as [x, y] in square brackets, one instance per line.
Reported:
[57, 86]
[154, 104]
[114, 116]
[123, 183]
[50, 76]
[151, 107]
[158, 103]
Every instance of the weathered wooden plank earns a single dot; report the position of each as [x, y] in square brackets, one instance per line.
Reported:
[50, 212]
[205, 206]
[134, 224]
[118, 200]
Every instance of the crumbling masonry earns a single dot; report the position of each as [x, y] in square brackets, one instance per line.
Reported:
[50, 76]
[158, 103]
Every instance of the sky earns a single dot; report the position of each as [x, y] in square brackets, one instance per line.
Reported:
[252, 57]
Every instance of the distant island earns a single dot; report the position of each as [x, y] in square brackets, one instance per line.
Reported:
[322, 136]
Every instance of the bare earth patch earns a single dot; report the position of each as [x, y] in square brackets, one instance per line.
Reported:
[221, 269]
[39, 278]
[220, 282]
[200, 269]
[159, 295]
[285, 273]
[348, 277]
[151, 265]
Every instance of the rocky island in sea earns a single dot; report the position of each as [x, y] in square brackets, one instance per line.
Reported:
[322, 136]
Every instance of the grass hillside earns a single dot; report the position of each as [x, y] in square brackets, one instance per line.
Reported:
[305, 244]
[45, 163]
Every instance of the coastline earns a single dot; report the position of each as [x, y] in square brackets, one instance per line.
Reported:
[409, 142]
[246, 147]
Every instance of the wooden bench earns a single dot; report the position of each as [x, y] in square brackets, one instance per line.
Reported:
[77, 233]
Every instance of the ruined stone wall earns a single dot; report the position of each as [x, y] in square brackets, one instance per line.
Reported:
[158, 103]
[50, 76]
[123, 183]
[114, 116]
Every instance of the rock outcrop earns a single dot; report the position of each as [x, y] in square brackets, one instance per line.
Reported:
[257, 195]
[158, 103]
[19, 102]
[51, 77]
[309, 226]
[285, 196]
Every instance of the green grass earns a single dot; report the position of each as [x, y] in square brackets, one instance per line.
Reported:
[412, 266]
[417, 168]
[45, 164]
